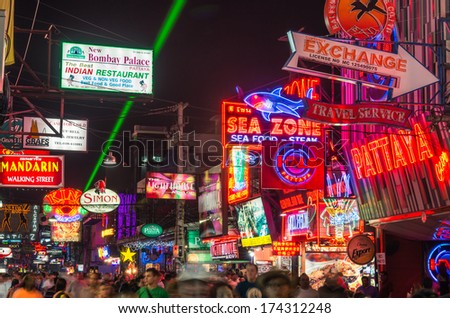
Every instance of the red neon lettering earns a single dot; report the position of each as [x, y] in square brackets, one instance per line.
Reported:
[387, 156]
[367, 158]
[277, 124]
[397, 152]
[242, 125]
[290, 126]
[369, 167]
[356, 156]
[407, 143]
[254, 126]
[373, 146]
[231, 125]
[300, 87]
[423, 148]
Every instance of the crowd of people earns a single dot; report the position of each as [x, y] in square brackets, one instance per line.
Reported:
[153, 283]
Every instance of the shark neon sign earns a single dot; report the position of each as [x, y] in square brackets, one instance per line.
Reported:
[274, 103]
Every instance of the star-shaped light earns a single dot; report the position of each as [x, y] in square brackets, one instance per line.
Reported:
[127, 255]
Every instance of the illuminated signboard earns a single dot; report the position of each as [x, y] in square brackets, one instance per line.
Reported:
[100, 201]
[361, 249]
[151, 230]
[226, 250]
[442, 167]
[103, 252]
[66, 232]
[195, 242]
[304, 87]
[170, 186]
[252, 223]
[107, 69]
[126, 216]
[271, 116]
[391, 152]
[362, 113]
[238, 175]
[442, 231]
[5, 252]
[244, 125]
[11, 141]
[64, 205]
[32, 171]
[300, 223]
[358, 20]
[19, 221]
[439, 254]
[286, 248]
[386, 167]
[339, 218]
[74, 134]
[338, 184]
[107, 232]
[210, 205]
[293, 165]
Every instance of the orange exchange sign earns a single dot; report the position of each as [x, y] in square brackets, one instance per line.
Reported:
[32, 171]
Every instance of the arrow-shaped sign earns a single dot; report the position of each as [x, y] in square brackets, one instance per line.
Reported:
[409, 74]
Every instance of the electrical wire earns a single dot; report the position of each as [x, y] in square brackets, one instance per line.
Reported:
[28, 43]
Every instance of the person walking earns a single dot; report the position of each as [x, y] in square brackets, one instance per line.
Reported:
[242, 288]
[29, 289]
[151, 289]
[367, 289]
[305, 290]
[443, 279]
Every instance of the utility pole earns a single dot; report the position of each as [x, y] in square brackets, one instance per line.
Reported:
[179, 222]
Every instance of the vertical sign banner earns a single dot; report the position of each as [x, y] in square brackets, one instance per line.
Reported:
[210, 205]
[104, 68]
[252, 223]
[293, 165]
[20, 220]
[238, 175]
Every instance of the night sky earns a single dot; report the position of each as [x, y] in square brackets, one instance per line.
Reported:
[213, 47]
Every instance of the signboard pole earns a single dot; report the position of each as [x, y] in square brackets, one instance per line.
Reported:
[179, 222]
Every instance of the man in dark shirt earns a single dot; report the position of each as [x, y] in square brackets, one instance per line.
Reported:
[386, 286]
[243, 287]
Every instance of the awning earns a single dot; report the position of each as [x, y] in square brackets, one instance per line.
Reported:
[419, 226]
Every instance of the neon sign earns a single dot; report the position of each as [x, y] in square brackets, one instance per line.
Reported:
[339, 184]
[271, 115]
[274, 103]
[340, 214]
[442, 232]
[303, 87]
[285, 248]
[298, 223]
[443, 167]
[296, 163]
[64, 205]
[391, 152]
[292, 165]
[439, 254]
[301, 221]
[238, 175]
[245, 126]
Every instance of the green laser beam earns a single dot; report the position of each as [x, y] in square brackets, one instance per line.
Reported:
[163, 34]
[123, 114]
[168, 24]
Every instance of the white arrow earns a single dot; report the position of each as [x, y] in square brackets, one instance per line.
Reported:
[409, 74]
